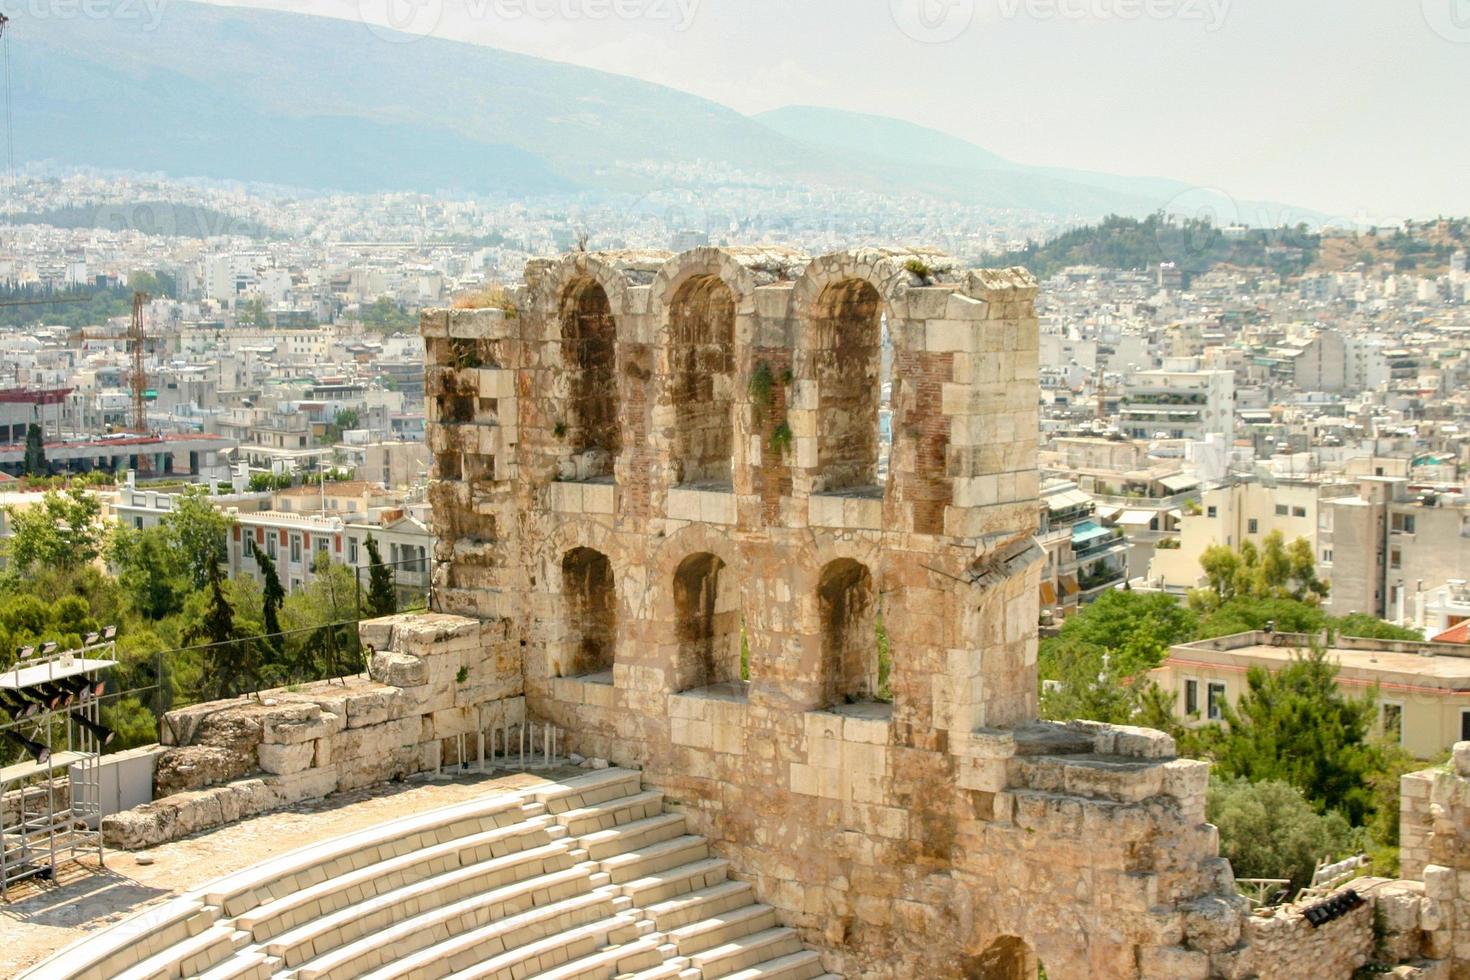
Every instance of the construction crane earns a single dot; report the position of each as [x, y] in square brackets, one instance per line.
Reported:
[138, 379]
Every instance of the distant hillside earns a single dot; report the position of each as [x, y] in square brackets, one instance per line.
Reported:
[1194, 245]
[148, 217]
[321, 103]
[1421, 248]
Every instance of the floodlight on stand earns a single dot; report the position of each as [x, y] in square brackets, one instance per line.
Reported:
[17, 706]
[91, 639]
[84, 687]
[37, 751]
[101, 733]
[109, 633]
[48, 648]
[56, 695]
[25, 652]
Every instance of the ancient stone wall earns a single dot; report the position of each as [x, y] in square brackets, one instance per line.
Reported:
[435, 683]
[699, 594]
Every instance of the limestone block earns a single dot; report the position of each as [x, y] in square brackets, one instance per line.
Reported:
[871, 731]
[683, 505]
[195, 767]
[982, 775]
[597, 498]
[1186, 780]
[397, 669]
[452, 722]
[283, 759]
[290, 724]
[308, 784]
[373, 707]
[1439, 882]
[1173, 963]
[1211, 924]
[1462, 758]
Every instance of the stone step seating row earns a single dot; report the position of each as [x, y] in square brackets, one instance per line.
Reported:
[584, 880]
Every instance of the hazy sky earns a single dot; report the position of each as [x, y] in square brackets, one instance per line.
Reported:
[1350, 107]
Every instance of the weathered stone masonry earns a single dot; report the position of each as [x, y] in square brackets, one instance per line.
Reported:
[667, 524]
[944, 833]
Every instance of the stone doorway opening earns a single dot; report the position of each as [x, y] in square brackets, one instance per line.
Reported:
[590, 602]
[702, 361]
[847, 340]
[847, 603]
[707, 624]
[589, 345]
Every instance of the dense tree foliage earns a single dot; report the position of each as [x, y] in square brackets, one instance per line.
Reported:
[1268, 829]
[1295, 725]
[1193, 244]
[59, 532]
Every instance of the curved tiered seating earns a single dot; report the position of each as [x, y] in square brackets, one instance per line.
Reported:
[584, 880]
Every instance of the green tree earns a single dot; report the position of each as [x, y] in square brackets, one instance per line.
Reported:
[1296, 726]
[61, 532]
[253, 314]
[150, 569]
[230, 666]
[382, 599]
[1364, 625]
[1304, 571]
[200, 532]
[1268, 829]
[34, 463]
[272, 594]
[323, 619]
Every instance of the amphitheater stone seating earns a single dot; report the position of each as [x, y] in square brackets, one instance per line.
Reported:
[588, 879]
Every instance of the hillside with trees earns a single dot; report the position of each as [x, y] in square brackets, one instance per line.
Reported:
[1195, 245]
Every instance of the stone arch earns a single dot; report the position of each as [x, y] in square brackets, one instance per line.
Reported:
[707, 626]
[847, 607]
[703, 371]
[1007, 958]
[589, 604]
[844, 331]
[588, 336]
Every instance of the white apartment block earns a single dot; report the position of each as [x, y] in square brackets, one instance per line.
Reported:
[1179, 402]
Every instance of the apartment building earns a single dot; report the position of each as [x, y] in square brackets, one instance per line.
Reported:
[1179, 401]
[1423, 689]
[1235, 513]
[1383, 545]
[1083, 558]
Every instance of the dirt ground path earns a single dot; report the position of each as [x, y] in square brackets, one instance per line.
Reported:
[39, 920]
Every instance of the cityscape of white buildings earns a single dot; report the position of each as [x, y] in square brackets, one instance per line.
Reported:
[1178, 410]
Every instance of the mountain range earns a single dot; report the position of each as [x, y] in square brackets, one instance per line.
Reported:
[322, 104]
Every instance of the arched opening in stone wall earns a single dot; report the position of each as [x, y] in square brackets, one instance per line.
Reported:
[590, 602]
[848, 606]
[847, 362]
[702, 327]
[1008, 958]
[707, 625]
[589, 341]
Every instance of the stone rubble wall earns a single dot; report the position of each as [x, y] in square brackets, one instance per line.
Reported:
[431, 679]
